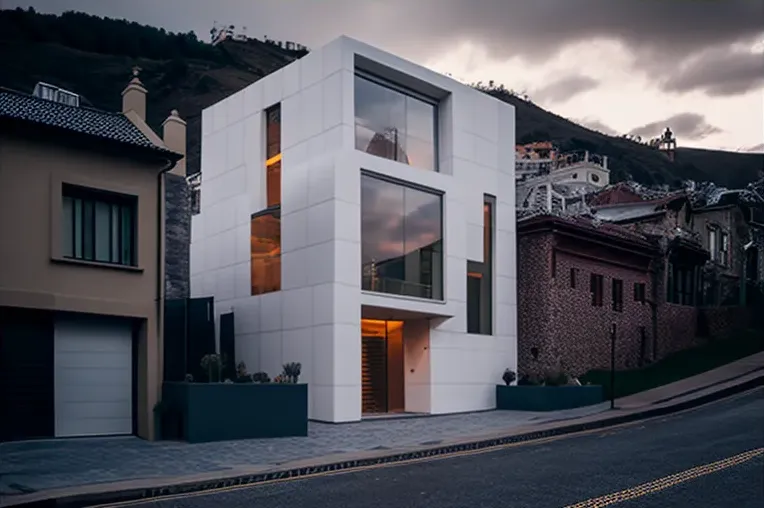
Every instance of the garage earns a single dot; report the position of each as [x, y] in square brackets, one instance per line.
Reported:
[93, 362]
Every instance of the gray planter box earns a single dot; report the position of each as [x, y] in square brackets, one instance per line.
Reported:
[204, 412]
[547, 398]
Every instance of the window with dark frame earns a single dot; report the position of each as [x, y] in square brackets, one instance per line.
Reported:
[394, 122]
[98, 225]
[408, 260]
[573, 277]
[640, 292]
[681, 284]
[617, 295]
[480, 277]
[724, 249]
[596, 282]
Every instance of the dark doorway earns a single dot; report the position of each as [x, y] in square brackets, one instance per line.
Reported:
[228, 346]
[26, 374]
[189, 334]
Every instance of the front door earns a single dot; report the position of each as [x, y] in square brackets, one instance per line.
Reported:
[381, 366]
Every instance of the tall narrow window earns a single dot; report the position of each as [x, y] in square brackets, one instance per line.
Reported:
[640, 292]
[480, 277]
[713, 244]
[273, 156]
[265, 226]
[617, 295]
[98, 225]
[724, 249]
[265, 248]
[596, 284]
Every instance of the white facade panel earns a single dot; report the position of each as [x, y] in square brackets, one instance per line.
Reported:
[315, 318]
[93, 362]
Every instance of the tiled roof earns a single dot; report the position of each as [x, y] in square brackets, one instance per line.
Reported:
[83, 120]
[591, 224]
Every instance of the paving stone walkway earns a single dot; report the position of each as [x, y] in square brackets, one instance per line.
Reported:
[33, 466]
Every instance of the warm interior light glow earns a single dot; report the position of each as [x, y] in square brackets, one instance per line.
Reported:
[378, 327]
[273, 160]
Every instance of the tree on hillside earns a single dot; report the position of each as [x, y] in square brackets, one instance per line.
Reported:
[108, 36]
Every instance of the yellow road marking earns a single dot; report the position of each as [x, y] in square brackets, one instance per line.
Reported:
[443, 456]
[668, 481]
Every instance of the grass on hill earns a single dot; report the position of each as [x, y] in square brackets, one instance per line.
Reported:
[679, 365]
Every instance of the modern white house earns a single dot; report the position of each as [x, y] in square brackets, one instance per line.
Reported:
[357, 215]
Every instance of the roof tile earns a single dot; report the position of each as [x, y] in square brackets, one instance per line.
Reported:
[83, 120]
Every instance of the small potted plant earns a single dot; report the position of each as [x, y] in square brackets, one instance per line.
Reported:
[551, 392]
[509, 377]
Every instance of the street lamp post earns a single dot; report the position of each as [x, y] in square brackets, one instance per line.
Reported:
[612, 366]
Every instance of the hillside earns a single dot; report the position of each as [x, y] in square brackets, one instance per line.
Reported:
[93, 56]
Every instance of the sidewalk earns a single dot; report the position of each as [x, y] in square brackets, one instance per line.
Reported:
[37, 470]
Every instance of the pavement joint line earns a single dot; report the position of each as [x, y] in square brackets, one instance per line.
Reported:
[668, 481]
[131, 497]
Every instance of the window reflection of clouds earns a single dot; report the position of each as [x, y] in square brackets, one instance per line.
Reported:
[397, 220]
[393, 125]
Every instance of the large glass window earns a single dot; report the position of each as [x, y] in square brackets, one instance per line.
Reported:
[395, 124]
[401, 239]
[98, 226]
[480, 277]
[265, 249]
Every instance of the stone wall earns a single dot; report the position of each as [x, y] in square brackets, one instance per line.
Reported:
[177, 236]
[726, 322]
[558, 322]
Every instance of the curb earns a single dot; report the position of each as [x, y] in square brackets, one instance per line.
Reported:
[156, 493]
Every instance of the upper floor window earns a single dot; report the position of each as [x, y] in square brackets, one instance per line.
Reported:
[395, 123]
[718, 245]
[640, 292]
[98, 226]
[273, 155]
[596, 283]
[401, 239]
[480, 277]
[617, 295]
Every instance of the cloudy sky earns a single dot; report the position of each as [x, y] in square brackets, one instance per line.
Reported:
[620, 66]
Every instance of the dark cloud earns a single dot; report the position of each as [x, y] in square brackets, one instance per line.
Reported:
[397, 220]
[684, 125]
[596, 125]
[661, 35]
[719, 71]
[564, 89]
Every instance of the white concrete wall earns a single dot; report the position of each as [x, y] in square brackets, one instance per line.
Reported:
[315, 319]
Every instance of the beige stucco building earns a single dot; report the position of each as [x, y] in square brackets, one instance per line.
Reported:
[81, 263]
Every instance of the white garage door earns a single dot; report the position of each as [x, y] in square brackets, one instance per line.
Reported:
[93, 376]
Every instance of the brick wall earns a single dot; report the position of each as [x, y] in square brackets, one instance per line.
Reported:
[560, 322]
[725, 322]
[534, 284]
[177, 236]
[584, 330]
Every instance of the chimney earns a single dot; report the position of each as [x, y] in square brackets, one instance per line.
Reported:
[174, 137]
[134, 96]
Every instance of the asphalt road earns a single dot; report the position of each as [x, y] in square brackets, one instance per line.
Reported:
[556, 473]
